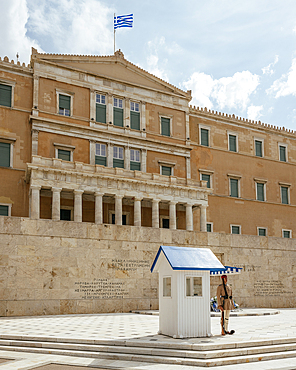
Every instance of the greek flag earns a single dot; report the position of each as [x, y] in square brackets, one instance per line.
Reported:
[123, 21]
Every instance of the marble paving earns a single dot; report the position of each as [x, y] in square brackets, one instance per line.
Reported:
[136, 327]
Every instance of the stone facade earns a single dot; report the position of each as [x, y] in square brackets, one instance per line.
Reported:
[59, 267]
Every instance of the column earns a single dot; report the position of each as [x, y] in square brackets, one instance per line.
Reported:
[35, 134]
[126, 157]
[109, 109]
[110, 155]
[78, 205]
[118, 209]
[143, 160]
[35, 96]
[188, 169]
[173, 220]
[189, 217]
[98, 208]
[137, 212]
[56, 203]
[92, 105]
[35, 202]
[203, 218]
[126, 113]
[155, 213]
[143, 116]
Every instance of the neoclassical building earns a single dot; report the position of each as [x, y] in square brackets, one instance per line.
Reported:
[97, 139]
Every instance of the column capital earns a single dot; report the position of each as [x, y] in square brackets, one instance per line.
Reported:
[173, 202]
[156, 200]
[78, 191]
[56, 190]
[118, 196]
[98, 194]
[35, 187]
[138, 199]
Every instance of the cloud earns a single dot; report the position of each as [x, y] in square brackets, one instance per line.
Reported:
[285, 85]
[268, 69]
[14, 16]
[73, 26]
[254, 112]
[226, 92]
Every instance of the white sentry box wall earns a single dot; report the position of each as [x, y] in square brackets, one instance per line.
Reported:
[181, 316]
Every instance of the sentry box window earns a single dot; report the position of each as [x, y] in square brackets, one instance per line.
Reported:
[194, 286]
[167, 287]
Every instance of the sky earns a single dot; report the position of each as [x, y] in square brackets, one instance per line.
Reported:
[237, 57]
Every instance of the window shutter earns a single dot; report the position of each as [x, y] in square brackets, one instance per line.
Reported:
[262, 232]
[65, 155]
[207, 178]
[135, 120]
[204, 140]
[232, 143]
[234, 188]
[283, 153]
[258, 148]
[118, 163]
[166, 171]
[135, 166]
[117, 117]
[101, 113]
[286, 234]
[235, 230]
[209, 228]
[3, 210]
[4, 155]
[64, 102]
[5, 95]
[284, 195]
[101, 160]
[260, 191]
[165, 126]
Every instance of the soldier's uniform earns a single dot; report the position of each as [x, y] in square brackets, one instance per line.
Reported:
[226, 303]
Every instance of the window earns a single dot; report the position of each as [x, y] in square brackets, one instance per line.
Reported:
[259, 148]
[234, 188]
[285, 194]
[117, 112]
[118, 160]
[4, 210]
[206, 177]
[235, 229]
[100, 108]
[210, 227]
[166, 170]
[64, 152]
[194, 286]
[135, 116]
[124, 220]
[101, 157]
[164, 222]
[167, 287]
[204, 137]
[5, 95]
[260, 190]
[262, 231]
[232, 142]
[287, 234]
[165, 126]
[283, 153]
[64, 105]
[135, 163]
[65, 214]
[65, 155]
[5, 155]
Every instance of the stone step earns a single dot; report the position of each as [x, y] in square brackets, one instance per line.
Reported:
[155, 355]
[182, 353]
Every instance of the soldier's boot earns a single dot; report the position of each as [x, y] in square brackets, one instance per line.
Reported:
[222, 327]
[226, 324]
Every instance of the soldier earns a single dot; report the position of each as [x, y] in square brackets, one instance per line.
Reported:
[225, 304]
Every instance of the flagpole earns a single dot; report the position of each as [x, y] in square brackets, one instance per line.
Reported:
[114, 33]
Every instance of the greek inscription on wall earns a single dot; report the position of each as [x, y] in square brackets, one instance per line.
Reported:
[101, 289]
[128, 265]
[270, 288]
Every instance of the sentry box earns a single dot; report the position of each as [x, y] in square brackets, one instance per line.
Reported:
[184, 289]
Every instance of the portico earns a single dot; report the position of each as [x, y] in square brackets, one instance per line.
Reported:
[168, 196]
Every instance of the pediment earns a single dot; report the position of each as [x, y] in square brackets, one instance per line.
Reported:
[115, 68]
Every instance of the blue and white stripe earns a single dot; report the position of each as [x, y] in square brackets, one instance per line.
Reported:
[123, 21]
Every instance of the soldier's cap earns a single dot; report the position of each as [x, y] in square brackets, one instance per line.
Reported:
[223, 277]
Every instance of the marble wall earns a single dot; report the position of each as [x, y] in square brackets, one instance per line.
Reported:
[59, 267]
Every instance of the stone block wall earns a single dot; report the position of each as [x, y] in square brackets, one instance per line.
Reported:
[59, 267]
